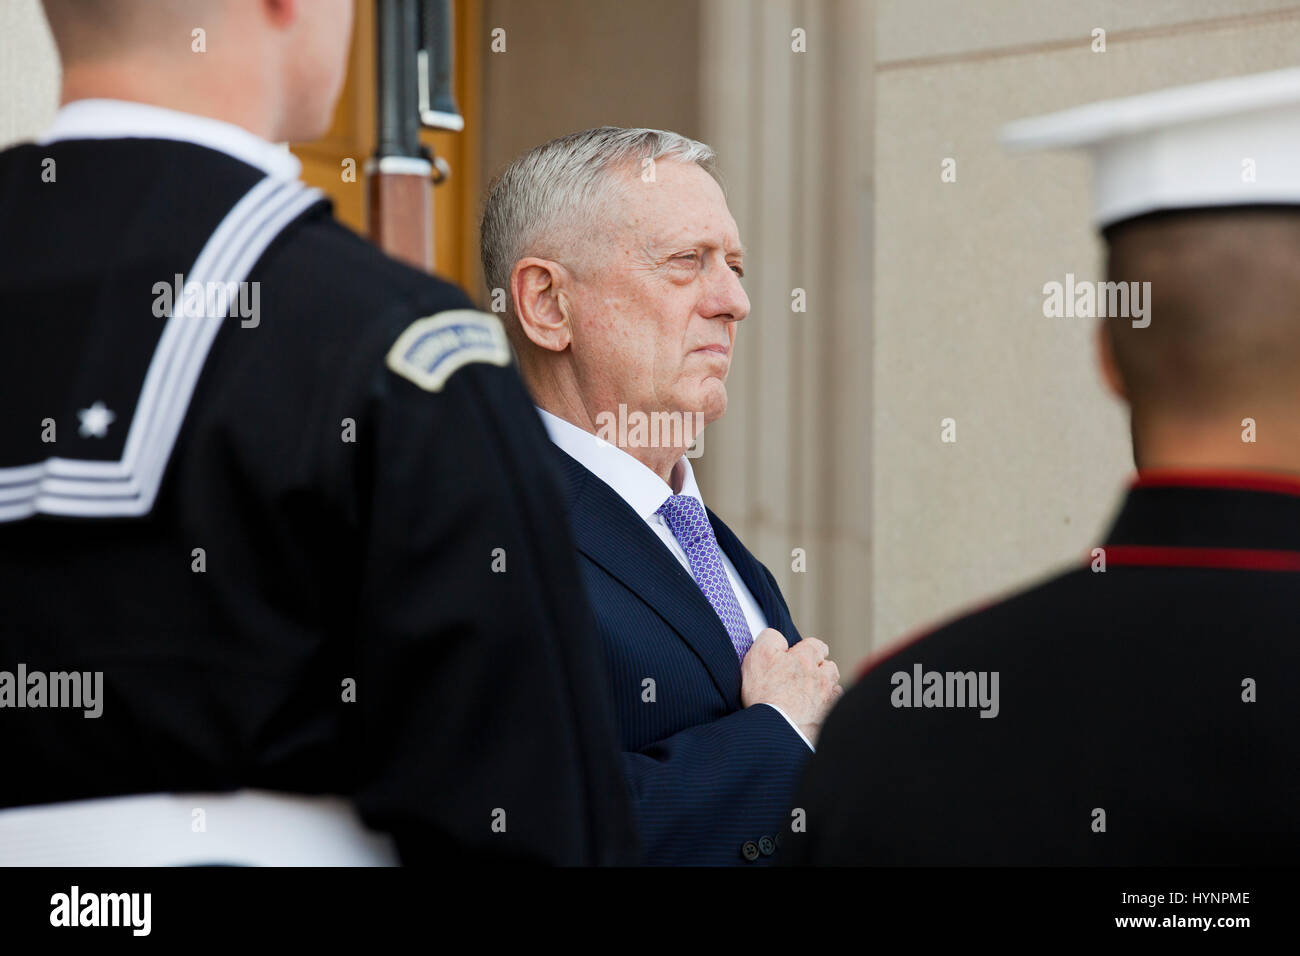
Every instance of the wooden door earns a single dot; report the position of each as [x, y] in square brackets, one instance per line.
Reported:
[336, 162]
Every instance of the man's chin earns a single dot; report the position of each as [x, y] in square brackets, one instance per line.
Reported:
[712, 404]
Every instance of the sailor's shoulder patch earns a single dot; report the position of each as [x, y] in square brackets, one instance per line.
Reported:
[434, 347]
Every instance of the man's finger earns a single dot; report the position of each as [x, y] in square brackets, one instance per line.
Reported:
[812, 647]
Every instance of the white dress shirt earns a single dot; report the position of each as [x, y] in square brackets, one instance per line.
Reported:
[123, 119]
[645, 492]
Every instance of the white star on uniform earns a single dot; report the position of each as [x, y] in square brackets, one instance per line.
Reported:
[95, 421]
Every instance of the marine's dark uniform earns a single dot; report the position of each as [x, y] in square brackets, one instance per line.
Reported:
[1164, 692]
[355, 524]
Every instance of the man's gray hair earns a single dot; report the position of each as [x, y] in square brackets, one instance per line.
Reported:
[555, 192]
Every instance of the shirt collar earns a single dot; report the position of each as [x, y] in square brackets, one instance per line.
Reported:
[632, 481]
[121, 119]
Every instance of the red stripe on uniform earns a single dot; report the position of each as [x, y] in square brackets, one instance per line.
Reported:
[1244, 559]
[1227, 480]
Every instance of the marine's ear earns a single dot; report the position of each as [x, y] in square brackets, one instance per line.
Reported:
[541, 305]
[1106, 359]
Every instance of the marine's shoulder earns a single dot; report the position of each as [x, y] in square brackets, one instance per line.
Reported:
[16, 154]
[1043, 620]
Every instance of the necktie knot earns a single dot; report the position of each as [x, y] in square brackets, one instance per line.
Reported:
[687, 520]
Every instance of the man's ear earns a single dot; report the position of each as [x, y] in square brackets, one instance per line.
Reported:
[536, 287]
[1106, 359]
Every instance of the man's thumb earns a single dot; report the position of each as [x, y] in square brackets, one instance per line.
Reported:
[770, 639]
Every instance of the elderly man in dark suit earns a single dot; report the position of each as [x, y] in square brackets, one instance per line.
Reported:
[622, 266]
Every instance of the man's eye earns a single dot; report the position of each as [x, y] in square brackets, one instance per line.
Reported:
[686, 257]
[738, 271]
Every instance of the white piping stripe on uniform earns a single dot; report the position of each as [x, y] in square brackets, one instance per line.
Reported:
[129, 486]
[186, 364]
[53, 494]
[237, 227]
[178, 385]
[127, 479]
[233, 228]
[174, 406]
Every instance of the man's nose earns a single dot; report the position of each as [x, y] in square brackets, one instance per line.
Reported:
[727, 299]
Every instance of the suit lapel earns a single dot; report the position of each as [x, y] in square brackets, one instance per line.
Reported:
[610, 533]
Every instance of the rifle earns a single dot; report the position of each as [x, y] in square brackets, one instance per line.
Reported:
[414, 58]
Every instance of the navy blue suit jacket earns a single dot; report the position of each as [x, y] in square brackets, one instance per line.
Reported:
[712, 782]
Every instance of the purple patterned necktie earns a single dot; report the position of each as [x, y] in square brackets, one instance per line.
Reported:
[689, 524]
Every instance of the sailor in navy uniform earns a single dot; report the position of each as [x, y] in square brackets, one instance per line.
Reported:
[1142, 709]
[297, 517]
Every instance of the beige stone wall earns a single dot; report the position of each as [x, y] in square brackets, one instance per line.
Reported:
[1041, 453]
[573, 64]
[29, 71]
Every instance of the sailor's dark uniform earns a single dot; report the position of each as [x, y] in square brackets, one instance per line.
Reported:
[1146, 714]
[314, 547]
